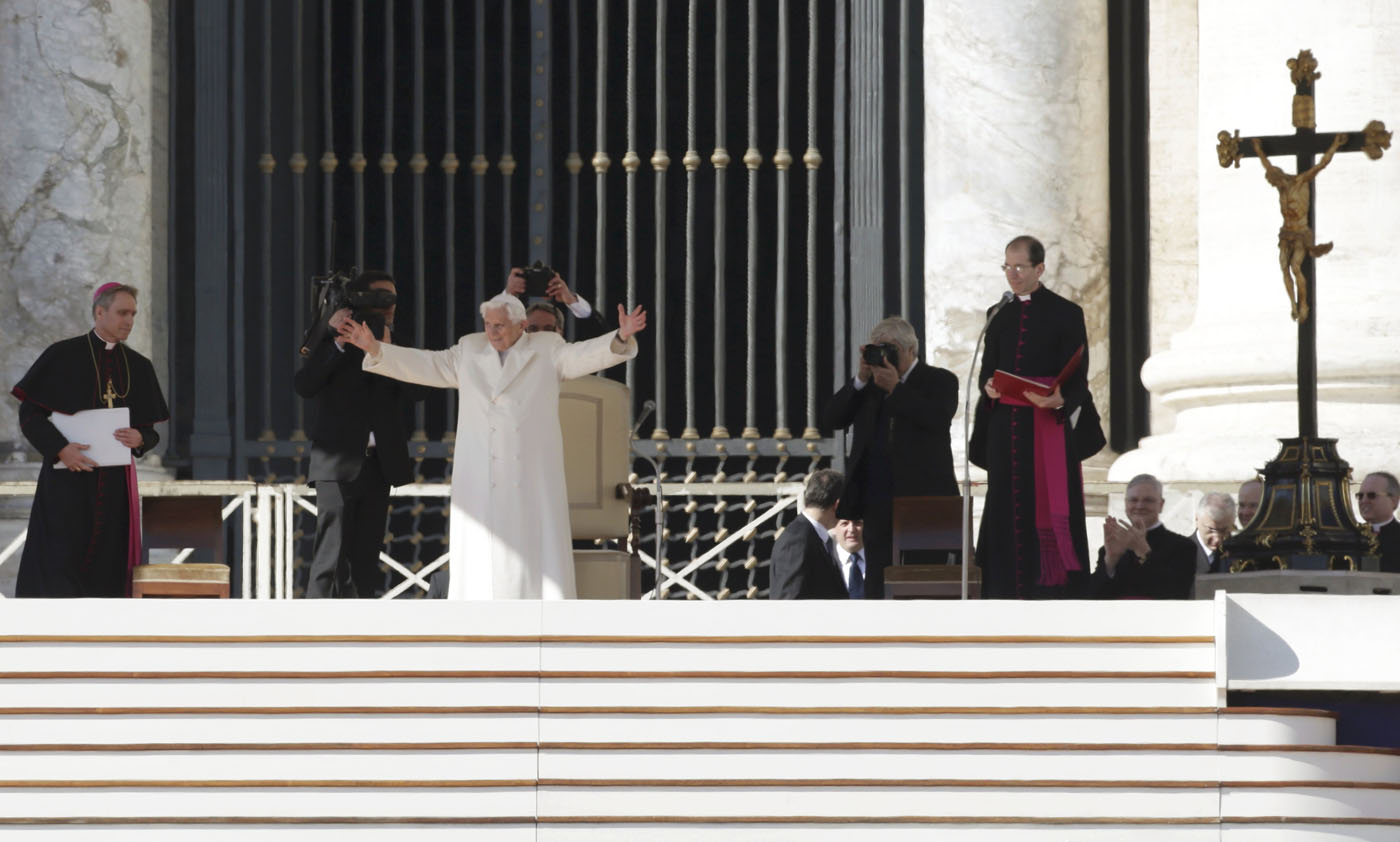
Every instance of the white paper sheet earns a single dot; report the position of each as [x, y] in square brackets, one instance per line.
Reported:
[94, 428]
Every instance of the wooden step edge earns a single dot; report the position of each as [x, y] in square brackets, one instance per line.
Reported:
[1324, 820]
[278, 783]
[1263, 711]
[1137, 821]
[686, 783]
[622, 675]
[1324, 749]
[602, 710]
[1023, 639]
[265, 747]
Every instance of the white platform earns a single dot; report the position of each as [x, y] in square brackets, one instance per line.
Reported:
[636, 720]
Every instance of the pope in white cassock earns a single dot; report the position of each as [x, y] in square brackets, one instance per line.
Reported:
[510, 536]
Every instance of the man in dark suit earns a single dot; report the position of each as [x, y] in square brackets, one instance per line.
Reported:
[899, 409]
[1379, 494]
[1215, 521]
[864, 578]
[359, 450]
[1142, 559]
[804, 564]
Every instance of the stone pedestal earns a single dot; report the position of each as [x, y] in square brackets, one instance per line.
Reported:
[1224, 386]
[1016, 133]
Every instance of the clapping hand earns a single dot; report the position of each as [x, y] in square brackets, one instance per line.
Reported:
[630, 324]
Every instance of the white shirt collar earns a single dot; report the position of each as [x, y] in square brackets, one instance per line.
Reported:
[1377, 527]
[110, 345]
[846, 557]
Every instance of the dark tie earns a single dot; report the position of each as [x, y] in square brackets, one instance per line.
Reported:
[855, 583]
[1215, 561]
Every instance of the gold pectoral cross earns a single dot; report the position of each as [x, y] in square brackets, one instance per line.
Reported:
[109, 394]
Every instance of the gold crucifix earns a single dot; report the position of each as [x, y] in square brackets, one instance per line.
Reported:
[109, 394]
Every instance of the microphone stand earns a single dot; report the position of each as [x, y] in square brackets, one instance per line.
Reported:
[966, 525]
[656, 503]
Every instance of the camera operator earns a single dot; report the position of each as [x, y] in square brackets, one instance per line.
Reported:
[359, 445]
[899, 409]
[588, 323]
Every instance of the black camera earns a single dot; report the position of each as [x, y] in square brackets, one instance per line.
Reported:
[537, 278]
[878, 354]
[338, 290]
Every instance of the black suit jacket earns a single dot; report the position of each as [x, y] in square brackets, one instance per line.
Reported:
[920, 411]
[801, 568]
[350, 404]
[1390, 547]
[1168, 572]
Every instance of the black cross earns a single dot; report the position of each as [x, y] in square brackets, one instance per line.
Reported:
[1304, 144]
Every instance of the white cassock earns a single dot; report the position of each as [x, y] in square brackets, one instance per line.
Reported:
[510, 536]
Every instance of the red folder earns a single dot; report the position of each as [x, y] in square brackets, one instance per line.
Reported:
[1015, 386]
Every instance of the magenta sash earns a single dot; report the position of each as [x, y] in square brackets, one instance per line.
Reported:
[133, 530]
[1052, 509]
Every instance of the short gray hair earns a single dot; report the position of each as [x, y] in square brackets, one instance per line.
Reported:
[109, 293]
[1392, 486]
[1144, 479]
[1218, 505]
[515, 311]
[896, 331]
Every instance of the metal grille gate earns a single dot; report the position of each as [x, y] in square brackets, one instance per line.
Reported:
[689, 156]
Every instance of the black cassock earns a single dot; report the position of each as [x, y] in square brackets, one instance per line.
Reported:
[1034, 338]
[79, 524]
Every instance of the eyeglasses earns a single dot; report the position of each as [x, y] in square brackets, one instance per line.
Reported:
[1370, 495]
[1018, 268]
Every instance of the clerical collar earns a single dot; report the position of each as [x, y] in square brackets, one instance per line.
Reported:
[1377, 527]
[100, 338]
[1025, 297]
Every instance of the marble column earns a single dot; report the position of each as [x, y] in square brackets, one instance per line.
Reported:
[80, 158]
[1224, 382]
[76, 199]
[1016, 142]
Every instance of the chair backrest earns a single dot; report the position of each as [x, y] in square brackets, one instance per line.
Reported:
[593, 414]
[925, 523]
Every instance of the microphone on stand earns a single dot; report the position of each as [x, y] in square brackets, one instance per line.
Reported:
[1006, 298]
[996, 308]
[642, 416]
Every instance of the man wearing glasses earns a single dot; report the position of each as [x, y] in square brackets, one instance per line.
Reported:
[1032, 543]
[1379, 494]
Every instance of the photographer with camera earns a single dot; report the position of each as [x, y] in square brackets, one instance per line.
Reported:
[546, 296]
[899, 409]
[359, 443]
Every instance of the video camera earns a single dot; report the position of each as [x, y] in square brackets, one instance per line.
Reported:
[337, 290]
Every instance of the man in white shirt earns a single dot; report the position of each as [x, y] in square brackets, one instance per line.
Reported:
[864, 578]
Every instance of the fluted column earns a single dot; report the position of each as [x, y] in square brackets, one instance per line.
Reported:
[76, 196]
[1223, 381]
[1015, 142]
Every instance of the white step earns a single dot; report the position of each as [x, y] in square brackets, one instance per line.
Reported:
[425, 727]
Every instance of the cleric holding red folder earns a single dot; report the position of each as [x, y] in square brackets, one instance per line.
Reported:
[1032, 543]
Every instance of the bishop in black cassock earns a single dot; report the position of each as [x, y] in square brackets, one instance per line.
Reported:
[84, 526]
[1032, 541]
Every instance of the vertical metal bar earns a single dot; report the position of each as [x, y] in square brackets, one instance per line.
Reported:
[906, 266]
[479, 165]
[297, 164]
[357, 157]
[720, 159]
[388, 164]
[328, 160]
[660, 163]
[264, 545]
[541, 242]
[691, 161]
[419, 165]
[573, 162]
[601, 162]
[782, 161]
[840, 351]
[812, 158]
[630, 162]
[449, 200]
[866, 181]
[266, 164]
[507, 162]
[752, 160]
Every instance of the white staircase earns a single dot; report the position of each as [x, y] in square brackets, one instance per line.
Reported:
[639, 721]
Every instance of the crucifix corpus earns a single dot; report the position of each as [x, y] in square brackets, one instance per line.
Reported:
[1304, 518]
